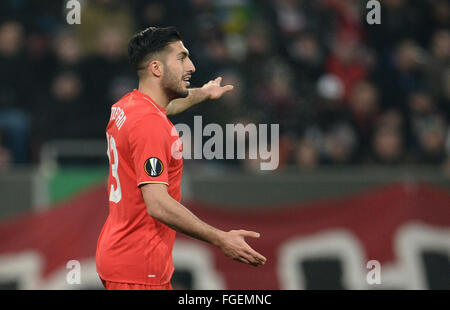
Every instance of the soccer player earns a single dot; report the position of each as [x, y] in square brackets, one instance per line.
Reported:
[134, 250]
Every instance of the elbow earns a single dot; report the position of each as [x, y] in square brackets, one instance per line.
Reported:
[155, 208]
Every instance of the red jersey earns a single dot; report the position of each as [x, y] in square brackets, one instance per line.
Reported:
[143, 147]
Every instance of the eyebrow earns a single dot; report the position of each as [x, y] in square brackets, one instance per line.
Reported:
[183, 53]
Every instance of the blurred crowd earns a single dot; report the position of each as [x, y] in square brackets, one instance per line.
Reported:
[343, 91]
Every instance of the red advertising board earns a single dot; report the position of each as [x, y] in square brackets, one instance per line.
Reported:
[401, 231]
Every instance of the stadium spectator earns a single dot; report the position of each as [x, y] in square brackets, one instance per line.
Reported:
[5, 156]
[431, 131]
[66, 113]
[387, 146]
[364, 108]
[301, 64]
[438, 67]
[109, 75]
[306, 155]
[339, 144]
[307, 56]
[345, 62]
[14, 90]
[67, 51]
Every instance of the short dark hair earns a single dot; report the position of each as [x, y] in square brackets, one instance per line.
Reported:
[146, 43]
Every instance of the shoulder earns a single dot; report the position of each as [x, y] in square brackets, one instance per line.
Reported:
[140, 115]
[148, 121]
[138, 109]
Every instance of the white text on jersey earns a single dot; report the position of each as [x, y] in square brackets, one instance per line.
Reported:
[119, 116]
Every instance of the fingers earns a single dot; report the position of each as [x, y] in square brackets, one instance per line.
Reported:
[254, 258]
[240, 251]
[247, 233]
[242, 260]
[247, 259]
[261, 259]
[227, 88]
[253, 234]
[222, 89]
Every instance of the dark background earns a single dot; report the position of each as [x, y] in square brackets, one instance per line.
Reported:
[343, 91]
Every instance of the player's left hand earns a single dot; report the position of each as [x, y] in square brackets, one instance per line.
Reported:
[213, 89]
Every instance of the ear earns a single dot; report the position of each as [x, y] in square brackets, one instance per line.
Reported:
[156, 68]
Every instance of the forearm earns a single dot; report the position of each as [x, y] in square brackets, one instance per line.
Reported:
[179, 218]
[196, 95]
[163, 207]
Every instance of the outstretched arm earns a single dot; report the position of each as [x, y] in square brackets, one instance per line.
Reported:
[164, 208]
[211, 90]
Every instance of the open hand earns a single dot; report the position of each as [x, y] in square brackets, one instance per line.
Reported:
[234, 246]
[213, 89]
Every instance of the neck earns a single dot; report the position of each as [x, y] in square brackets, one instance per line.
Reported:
[155, 92]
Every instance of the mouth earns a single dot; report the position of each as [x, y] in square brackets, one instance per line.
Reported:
[186, 80]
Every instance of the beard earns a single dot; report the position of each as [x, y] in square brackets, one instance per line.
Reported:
[173, 85]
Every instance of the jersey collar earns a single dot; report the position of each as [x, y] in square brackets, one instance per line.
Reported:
[148, 98]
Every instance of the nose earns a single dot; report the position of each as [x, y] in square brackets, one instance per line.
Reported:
[191, 67]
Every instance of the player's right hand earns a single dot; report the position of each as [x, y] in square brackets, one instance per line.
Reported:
[233, 245]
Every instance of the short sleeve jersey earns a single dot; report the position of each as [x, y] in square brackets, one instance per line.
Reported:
[143, 147]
